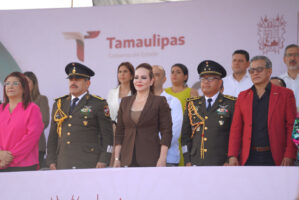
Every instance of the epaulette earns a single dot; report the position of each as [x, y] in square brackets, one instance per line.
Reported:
[193, 98]
[97, 97]
[61, 97]
[230, 97]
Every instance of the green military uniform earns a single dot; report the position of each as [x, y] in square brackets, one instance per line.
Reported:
[84, 137]
[205, 133]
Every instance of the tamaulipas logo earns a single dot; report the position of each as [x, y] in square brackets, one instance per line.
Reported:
[151, 41]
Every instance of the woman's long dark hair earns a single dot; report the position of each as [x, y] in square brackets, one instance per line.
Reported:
[151, 73]
[26, 98]
[35, 90]
[130, 67]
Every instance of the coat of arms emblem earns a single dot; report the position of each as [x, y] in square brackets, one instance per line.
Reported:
[271, 31]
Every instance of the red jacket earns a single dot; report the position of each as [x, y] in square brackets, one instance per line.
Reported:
[281, 116]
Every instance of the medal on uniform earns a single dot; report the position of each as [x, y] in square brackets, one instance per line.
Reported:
[85, 123]
[86, 109]
[222, 110]
[221, 122]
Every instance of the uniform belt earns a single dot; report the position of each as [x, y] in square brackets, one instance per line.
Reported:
[260, 149]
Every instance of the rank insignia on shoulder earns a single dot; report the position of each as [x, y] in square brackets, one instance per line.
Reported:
[193, 98]
[106, 111]
[61, 97]
[95, 96]
[230, 97]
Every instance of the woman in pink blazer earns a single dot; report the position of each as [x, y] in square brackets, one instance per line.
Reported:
[20, 126]
[140, 119]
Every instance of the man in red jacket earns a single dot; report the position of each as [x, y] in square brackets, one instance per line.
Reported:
[264, 115]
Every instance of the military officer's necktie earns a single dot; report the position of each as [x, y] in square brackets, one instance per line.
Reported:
[73, 104]
[209, 105]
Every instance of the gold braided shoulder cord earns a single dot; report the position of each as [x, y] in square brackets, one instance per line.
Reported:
[59, 121]
[192, 111]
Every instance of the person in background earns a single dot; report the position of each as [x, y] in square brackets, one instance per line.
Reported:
[291, 77]
[125, 76]
[42, 102]
[173, 155]
[179, 89]
[140, 119]
[81, 134]
[295, 137]
[207, 119]
[261, 130]
[20, 126]
[278, 81]
[239, 80]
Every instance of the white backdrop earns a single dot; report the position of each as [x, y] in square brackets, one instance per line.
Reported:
[43, 41]
[211, 30]
[167, 183]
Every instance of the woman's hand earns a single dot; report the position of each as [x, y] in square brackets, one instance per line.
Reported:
[161, 162]
[52, 166]
[116, 163]
[5, 158]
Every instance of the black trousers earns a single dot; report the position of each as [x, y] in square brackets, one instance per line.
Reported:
[41, 155]
[260, 159]
[18, 169]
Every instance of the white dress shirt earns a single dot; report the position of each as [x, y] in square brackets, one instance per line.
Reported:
[233, 87]
[213, 99]
[79, 98]
[293, 85]
[173, 155]
[113, 101]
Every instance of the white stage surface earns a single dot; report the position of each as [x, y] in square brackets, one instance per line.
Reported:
[175, 183]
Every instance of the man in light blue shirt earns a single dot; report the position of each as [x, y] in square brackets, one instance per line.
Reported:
[173, 155]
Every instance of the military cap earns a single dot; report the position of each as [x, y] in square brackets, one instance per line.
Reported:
[211, 67]
[78, 70]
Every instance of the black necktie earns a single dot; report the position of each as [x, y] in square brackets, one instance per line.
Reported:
[209, 105]
[73, 104]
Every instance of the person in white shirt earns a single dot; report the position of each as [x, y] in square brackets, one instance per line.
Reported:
[173, 155]
[291, 77]
[239, 80]
[125, 75]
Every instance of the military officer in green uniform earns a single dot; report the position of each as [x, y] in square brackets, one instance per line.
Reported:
[207, 119]
[81, 129]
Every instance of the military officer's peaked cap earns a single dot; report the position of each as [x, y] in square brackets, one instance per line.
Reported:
[78, 70]
[211, 67]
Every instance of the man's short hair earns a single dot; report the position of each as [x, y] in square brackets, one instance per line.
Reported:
[162, 69]
[288, 47]
[243, 52]
[264, 58]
